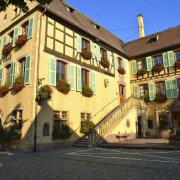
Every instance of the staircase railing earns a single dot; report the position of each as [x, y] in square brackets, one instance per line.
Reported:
[111, 120]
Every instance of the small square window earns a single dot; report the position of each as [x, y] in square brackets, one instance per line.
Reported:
[150, 124]
[56, 115]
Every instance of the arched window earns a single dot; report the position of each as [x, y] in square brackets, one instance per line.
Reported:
[46, 129]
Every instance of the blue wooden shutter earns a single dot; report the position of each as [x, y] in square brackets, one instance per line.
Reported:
[27, 70]
[109, 55]
[79, 79]
[171, 58]
[52, 71]
[116, 65]
[93, 79]
[92, 49]
[98, 52]
[30, 27]
[149, 63]
[136, 90]
[165, 60]
[1, 76]
[168, 88]
[15, 35]
[78, 43]
[4, 41]
[12, 74]
[174, 88]
[73, 77]
[134, 67]
[151, 91]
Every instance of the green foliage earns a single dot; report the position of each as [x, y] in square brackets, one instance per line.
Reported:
[44, 94]
[61, 132]
[178, 131]
[86, 126]
[20, 3]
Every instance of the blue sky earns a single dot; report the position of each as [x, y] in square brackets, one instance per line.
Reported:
[120, 16]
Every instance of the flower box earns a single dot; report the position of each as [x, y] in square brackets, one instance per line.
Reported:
[105, 63]
[160, 98]
[87, 91]
[86, 54]
[122, 99]
[21, 40]
[121, 71]
[18, 84]
[177, 65]
[158, 68]
[4, 90]
[7, 49]
[141, 72]
[63, 86]
[44, 94]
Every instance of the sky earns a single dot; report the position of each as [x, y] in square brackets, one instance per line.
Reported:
[120, 16]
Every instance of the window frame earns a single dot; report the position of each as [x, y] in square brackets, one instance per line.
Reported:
[103, 53]
[160, 87]
[143, 90]
[177, 51]
[141, 64]
[59, 76]
[85, 44]
[157, 61]
[85, 76]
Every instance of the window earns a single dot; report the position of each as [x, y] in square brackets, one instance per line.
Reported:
[17, 11]
[141, 64]
[85, 44]
[128, 123]
[153, 39]
[150, 124]
[5, 17]
[8, 74]
[22, 67]
[17, 116]
[121, 90]
[160, 87]
[25, 27]
[120, 63]
[85, 77]
[60, 71]
[85, 116]
[46, 129]
[158, 60]
[163, 121]
[10, 37]
[103, 53]
[177, 55]
[143, 90]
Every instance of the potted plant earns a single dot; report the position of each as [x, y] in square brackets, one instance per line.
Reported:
[121, 71]
[44, 94]
[146, 98]
[21, 40]
[86, 54]
[160, 98]
[87, 91]
[18, 84]
[63, 86]
[105, 63]
[7, 49]
[141, 72]
[86, 126]
[4, 90]
[158, 68]
[177, 64]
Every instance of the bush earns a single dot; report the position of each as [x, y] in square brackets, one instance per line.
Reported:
[178, 131]
[86, 126]
[63, 86]
[121, 71]
[7, 49]
[18, 84]
[146, 98]
[141, 72]
[21, 40]
[86, 54]
[4, 90]
[44, 94]
[160, 98]
[61, 133]
[158, 68]
[87, 91]
[105, 63]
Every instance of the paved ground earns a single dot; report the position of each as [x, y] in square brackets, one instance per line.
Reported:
[91, 164]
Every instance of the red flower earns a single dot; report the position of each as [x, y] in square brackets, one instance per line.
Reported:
[21, 40]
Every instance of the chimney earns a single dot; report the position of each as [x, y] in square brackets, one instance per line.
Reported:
[141, 25]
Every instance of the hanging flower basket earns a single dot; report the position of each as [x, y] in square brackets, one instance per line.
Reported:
[86, 54]
[158, 68]
[4, 90]
[21, 40]
[63, 86]
[7, 49]
[141, 72]
[44, 94]
[105, 63]
[18, 84]
[177, 65]
[87, 91]
[160, 98]
[121, 71]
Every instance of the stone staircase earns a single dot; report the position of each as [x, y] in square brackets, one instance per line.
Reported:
[110, 121]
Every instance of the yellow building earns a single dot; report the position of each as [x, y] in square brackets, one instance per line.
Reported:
[92, 73]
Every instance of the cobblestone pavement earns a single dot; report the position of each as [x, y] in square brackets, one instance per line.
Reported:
[91, 164]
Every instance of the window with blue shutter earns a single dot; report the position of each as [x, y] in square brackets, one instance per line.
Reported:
[12, 74]
[149, 63]
[165, 60]
[174, 88]
[116, 65]
[30, 28]
[78, 43]
[93, 79]
[1, 76]
[52, 71]
[98, 52]
[92, 49]
[79, 79]
[27, 70]
[15, 35]
[171, 58]
[168, 88]
[134, 67]
[73, 76]
[151, 91]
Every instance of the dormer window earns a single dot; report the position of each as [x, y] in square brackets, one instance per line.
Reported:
[17, 11]
[70, 9]
[95, 26]
[153, 39]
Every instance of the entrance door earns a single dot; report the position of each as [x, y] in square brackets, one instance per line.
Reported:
[139, 127]
[122, 93]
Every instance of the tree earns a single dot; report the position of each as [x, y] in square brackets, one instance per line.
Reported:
[20, 4]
